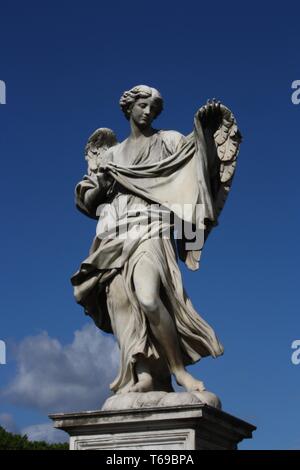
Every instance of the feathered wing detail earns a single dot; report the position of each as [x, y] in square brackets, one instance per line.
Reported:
[96, 155]
[98, 143]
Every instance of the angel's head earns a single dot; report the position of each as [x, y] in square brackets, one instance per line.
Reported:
[142, 103]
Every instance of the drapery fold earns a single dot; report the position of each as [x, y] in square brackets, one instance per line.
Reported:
[172, 176]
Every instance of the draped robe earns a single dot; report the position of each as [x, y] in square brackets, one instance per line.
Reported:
[171, 171]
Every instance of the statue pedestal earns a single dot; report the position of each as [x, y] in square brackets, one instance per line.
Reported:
[184, 427]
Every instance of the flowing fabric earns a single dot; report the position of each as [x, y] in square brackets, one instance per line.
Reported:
[171, 171]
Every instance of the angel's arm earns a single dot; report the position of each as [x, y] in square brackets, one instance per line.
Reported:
[92, 191]
[216, 127]
[217, 140]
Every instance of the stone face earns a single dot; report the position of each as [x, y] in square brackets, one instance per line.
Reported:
[189, 427]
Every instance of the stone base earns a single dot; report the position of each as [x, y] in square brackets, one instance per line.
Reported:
[184, 427]
[136, 400]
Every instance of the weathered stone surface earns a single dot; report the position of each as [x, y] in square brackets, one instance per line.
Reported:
[189, 427]
[136, 400]
[130, 283]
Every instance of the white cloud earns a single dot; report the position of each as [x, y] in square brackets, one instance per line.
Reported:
[45, 432]
[52, 377]
[37, 432]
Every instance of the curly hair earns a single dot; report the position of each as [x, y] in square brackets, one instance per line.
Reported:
[129, 97]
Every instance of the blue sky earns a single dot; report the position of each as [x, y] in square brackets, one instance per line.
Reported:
[65, 66]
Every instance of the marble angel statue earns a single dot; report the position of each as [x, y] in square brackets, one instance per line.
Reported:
[130, 284]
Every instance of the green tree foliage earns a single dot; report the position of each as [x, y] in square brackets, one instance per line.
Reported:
[9, 441]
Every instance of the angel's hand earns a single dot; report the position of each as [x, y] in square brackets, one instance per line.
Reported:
[212, 107]
[210, 114]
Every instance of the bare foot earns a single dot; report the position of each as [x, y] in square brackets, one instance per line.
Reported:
[143, 385]
[188, 382]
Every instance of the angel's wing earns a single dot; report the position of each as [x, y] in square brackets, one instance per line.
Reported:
[222, 139]
[98, 143]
